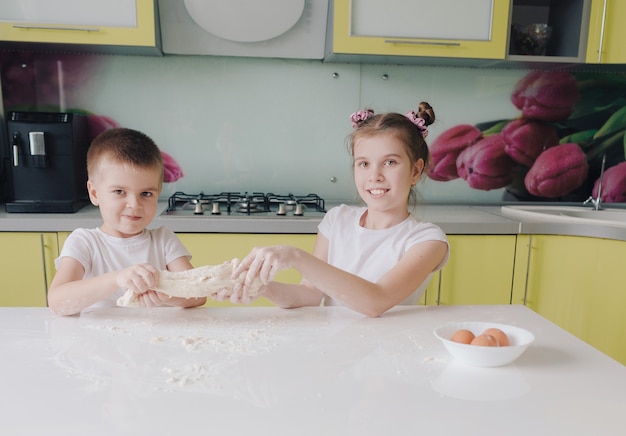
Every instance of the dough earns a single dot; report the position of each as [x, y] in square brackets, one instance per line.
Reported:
[198, 282]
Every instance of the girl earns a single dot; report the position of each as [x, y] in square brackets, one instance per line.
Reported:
[367, 258]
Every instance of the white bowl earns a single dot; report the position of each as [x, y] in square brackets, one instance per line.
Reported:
[477, 355]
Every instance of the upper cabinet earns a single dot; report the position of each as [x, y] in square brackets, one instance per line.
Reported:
[110, 26]
[255, 28]
[606, 34]
[477, 29]
[486, 33]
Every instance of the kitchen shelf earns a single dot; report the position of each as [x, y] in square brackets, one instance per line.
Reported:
[569, 20]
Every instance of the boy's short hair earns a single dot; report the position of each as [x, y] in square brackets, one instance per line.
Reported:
[124, 146]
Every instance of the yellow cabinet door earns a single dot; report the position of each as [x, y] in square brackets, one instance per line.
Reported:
[357, 28]
[215, 248]
[479, 271]
[607, 33]
[141, 33]
[26, 267]
[579, 284]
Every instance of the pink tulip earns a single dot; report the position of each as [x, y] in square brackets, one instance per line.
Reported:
[557, 171]
[445, 150]
[526, 139]
[485, 165]
[546, 95]
[172, 171]
[613, 184]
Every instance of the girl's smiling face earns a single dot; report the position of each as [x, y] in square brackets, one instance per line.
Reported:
[127, 197]
[383, 172]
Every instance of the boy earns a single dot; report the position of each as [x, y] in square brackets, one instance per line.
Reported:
[96, 266]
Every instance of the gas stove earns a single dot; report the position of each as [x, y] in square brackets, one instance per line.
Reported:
[246, 204]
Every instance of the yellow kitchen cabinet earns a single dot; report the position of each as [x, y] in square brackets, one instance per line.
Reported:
[26, 267]
[215, 248]
[477, 29]
[479, 271]
[607, 33]
[98, 25]
[578, 283]
[62, 236]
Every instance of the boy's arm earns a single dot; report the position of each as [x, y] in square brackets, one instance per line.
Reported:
[69, 293]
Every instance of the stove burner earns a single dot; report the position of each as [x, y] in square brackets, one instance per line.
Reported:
[215, 209]
[255, 203]
[249, 205]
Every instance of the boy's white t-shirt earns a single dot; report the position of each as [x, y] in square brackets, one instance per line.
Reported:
[368, 253]
[101, 253]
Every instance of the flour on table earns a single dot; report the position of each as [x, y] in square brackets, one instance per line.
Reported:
[198, 282]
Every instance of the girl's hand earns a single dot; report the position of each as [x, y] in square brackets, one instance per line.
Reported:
[140, 278]
[237, 295]
[153, 299]
[264, 262]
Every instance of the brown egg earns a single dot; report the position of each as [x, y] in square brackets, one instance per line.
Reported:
[503, 339]
[485, 341]
[463, 336]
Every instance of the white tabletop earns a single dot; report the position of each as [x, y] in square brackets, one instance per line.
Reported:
[310, 371]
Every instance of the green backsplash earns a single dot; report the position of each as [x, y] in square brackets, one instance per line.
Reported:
[247, 124]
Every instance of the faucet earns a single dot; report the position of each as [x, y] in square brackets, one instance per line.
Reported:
[596, 201]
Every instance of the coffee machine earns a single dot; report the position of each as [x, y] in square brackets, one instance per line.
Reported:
[46, 154]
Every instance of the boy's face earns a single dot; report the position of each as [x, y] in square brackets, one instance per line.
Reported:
[127, 197]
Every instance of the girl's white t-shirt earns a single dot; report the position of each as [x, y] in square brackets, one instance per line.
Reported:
[101, 253]
[368, 253]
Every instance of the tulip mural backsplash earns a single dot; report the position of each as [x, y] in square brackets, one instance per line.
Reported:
[553, 151]
[235, 124]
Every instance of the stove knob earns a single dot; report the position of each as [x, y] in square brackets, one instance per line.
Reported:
[282, 210]
[216, 209]
[198, 209]
[299, 210]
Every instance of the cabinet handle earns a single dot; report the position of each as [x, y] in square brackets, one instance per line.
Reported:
[601, 45]
[43, 260]
[530, 247]
[401, 41]
[42, 27]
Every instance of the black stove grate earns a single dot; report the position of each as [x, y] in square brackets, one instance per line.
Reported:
[247, 203]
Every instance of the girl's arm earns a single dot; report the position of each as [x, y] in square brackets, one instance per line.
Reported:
[305, 294]
[371, 299]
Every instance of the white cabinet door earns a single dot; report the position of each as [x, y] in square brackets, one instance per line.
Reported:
[108, 26]
[111, 13]
[441, 19]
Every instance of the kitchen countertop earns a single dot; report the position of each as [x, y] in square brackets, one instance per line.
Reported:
[309, 371]
[453, 219]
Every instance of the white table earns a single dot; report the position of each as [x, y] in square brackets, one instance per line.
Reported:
[310, 371]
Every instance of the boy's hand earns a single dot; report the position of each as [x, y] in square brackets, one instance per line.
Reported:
[139, 278]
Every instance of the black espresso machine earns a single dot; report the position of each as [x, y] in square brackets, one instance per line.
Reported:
[45, 161]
